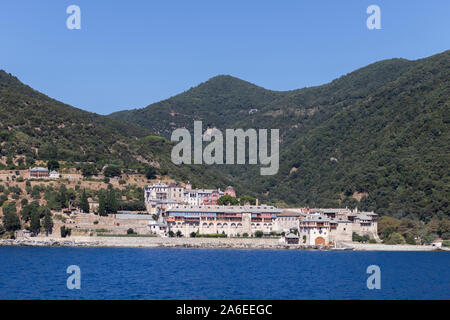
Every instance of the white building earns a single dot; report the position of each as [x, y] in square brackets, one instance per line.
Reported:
[54, 175]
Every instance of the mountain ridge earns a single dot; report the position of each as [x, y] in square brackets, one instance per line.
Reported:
[361, 119]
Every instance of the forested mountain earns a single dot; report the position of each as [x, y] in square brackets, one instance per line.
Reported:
[221, 101]
[377, 138]
[36, 127]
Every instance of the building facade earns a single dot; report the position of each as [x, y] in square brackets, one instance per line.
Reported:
[39, 172]
[231, 220]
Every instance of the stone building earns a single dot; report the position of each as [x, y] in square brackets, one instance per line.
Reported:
[113, 223]
[54, 175]
[176, 192]
[230, 191]
[314, 230]
[39, 172]
[160, 196]
[291, 238]
[231, 220]
[287, 221]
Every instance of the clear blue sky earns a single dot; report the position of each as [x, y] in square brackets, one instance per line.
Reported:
[129, 54]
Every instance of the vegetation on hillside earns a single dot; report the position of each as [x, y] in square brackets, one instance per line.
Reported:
[377, 138]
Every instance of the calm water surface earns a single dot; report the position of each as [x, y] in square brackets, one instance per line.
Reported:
[127, 273]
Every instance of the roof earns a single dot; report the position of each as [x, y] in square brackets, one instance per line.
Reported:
[126, 216]
[157, 185]
[158, 224]
[39, 169]
[225, 209]
[339, 221]
[363, 216]
[175, 185]
[287, 213]
[316, 218]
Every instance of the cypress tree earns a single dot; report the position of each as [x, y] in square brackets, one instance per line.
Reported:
[101, 204]
[63, 196]
[35, 224]
[48, 221]
[111, 201]
[84, 204]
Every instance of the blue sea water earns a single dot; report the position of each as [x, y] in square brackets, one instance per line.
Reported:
[137, 273]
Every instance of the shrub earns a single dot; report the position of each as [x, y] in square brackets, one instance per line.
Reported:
[446, 243]
[211, 235]
[259, 234]
[65, 231]
[357, 238]
[88, 170]
[96, 222]
[130, 231]
[395, 238]
[410, 240]
[112, 171]
[193, 234]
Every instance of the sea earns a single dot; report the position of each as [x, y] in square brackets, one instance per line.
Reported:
[140, 273]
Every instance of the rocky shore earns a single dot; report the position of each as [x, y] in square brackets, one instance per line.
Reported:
[203, 243]
[154, 242]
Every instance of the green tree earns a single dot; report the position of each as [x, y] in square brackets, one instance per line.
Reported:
[48, 221]
[62, 196]
[150, 173]
[65, 231]
[394, 238]
[84, 204]
[227, 200]
[247, 200]
[89, 170]
[35, 223]
[259, 234]
[28, 210]
[112, 171]
[111, 201]
[11, 220]
[52, 165]
[102, 204]
[387, 225]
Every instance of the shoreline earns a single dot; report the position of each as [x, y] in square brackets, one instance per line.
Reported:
[202, 243]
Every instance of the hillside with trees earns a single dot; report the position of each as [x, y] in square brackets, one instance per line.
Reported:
[34, 127]
[377, 138]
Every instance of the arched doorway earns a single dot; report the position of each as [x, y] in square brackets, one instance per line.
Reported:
[320, 241]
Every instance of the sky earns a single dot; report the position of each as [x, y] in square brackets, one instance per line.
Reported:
[129, 54]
